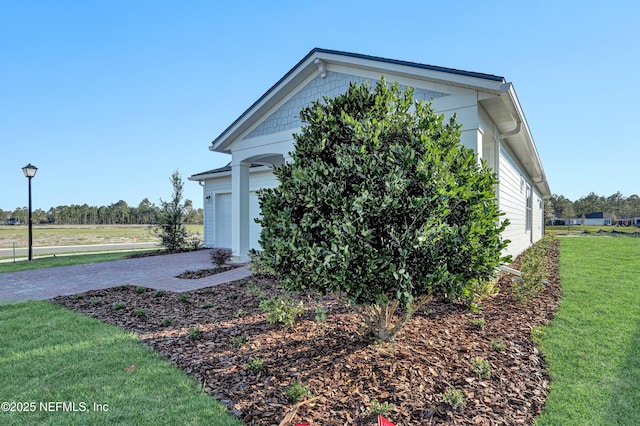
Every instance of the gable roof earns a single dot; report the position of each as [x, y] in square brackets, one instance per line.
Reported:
[317, 58]
[502, 106]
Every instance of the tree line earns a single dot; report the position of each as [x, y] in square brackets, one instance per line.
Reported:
[120, 213]
[617, 204]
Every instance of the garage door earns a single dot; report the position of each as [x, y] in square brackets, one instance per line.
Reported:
[222, 221]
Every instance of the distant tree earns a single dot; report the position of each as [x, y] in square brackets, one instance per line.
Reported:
[634, 205]
[589, 204]
[146, 212]
[563, 207]
[171, 228]
[549, 213]
[382, 206]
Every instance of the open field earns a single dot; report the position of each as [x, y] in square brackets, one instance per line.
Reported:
[69, 235]
[585, 230]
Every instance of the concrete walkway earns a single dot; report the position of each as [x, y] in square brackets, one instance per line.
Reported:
[156, 272]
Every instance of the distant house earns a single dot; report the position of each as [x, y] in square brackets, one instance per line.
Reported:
[623, 221]
[598, 219]
[487, 107]
[558, 219]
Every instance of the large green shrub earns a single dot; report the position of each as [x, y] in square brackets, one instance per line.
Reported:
[381, 206]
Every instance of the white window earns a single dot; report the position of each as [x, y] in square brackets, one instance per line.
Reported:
[529, 210]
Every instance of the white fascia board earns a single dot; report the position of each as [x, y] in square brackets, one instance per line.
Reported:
[266, 140]
[203, 178]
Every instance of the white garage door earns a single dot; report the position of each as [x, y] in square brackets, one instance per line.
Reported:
[222, 221]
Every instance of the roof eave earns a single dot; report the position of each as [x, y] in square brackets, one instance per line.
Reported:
[522, 143]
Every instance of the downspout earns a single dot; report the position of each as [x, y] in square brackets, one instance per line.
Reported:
[502, 136]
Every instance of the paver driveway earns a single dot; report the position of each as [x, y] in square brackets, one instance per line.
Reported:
[156, 272]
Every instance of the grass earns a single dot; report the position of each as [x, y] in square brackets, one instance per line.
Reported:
[592, 345]
[49, 262]
[51, 355]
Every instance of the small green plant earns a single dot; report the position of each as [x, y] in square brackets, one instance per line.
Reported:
[233, 295]
[119, 305]
[208, 290]
[123, 287]
[141, 312]
[481, 367]
[194, 240]
[140, 289]
[77, 296]
[255, 290]
[95, 300]
[240, 340]
[296, 392]
[255, 365]
[478, 323]
[321, 314]
[282, 310]
[475, 306]
[533, 266]
[427, 311]
[220, 256]
[376, 408]
[257, 264]
[455, 398]
[159, 293]
[497, 344]
[207, 305]
[195, 333]
[476, 290]
[183, 298]
[239, 313]
[167, 321]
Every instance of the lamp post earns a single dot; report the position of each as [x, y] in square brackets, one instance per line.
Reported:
[30, 171]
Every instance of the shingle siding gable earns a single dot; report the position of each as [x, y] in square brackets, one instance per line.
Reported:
[287, 116]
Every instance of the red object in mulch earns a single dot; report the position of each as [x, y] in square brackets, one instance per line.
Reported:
[384, 422]
[303, 424]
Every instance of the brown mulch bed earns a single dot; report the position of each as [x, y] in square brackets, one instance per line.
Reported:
[201, 273]
[344, 370]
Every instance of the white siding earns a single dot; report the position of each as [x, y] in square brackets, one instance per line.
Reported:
[213, 187]
[512, 192]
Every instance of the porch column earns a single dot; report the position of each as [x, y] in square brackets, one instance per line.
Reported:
[472, 138]
[240, 211]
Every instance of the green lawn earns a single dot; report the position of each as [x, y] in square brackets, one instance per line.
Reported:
[54, 361]
[593, 344]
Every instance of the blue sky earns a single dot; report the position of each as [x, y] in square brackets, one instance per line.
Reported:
[108, 98]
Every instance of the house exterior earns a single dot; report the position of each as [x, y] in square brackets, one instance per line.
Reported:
[493, 124]
[598, 219]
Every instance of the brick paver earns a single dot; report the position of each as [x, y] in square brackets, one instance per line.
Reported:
[156, 272]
